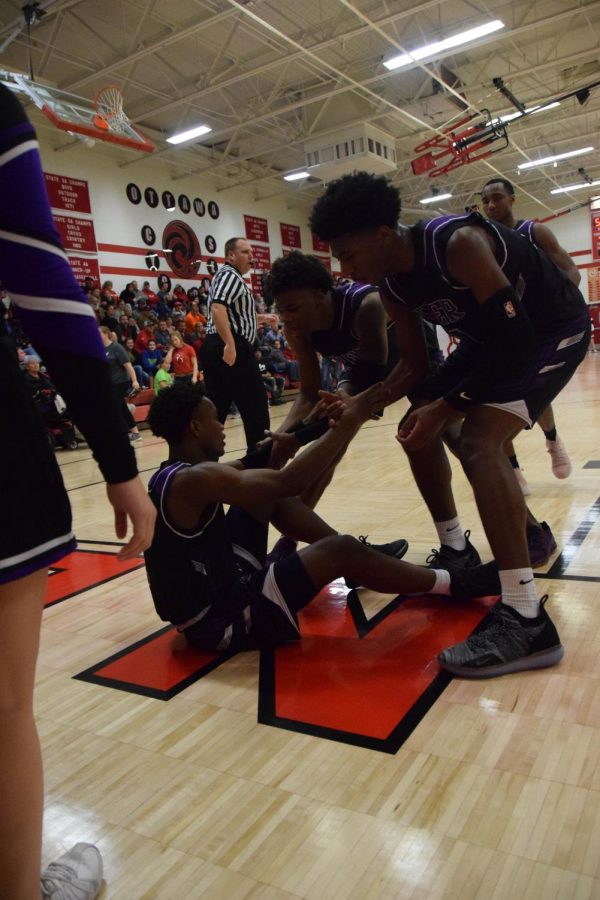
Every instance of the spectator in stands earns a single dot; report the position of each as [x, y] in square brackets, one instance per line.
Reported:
[128, 294]
[162, 336]
[193, 318]
[144, 337]
[162, 308]
[274, 384]
[198, 338]
[162, 379]
[182, 359]
[123, 379]
[110, 320]
[125, 330]
[108, 290]
[271, 334]
[34, 376]
[95, 300]
[203, 301]
[133, 327]
[136, 361]
[152, 298]
[279, 365]
[151, 360]
[179, 294]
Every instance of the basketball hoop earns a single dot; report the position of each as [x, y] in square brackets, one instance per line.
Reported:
[109, 109]
[104, 120]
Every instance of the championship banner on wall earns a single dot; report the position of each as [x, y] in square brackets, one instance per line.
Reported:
[256, 283]
[76, 233]
[319, 246]
[256, 229]
[290, 236]
[593, 275]
[72, 195]
[261, 257]
[85, 267]
[68, 193]
[595, 223]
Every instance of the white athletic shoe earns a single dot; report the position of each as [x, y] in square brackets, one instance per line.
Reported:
[522, 481]
[561, 464]
[76, 875]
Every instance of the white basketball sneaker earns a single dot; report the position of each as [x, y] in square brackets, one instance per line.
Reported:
[76, 875]
[561, 464]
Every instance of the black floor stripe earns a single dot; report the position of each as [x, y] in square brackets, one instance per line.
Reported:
[560, 565]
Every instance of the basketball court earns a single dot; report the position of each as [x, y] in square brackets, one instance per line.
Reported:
[347, 766]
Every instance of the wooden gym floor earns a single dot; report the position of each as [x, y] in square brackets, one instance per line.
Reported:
[494, 794]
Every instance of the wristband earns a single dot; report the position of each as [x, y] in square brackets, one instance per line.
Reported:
[508, 327]
[363, 374]
[258, 459]
[307, 433]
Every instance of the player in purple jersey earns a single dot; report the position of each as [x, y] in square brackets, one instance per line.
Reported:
[497, 198]
[207, 570]
[524, 329]
[348, 323]
[35, 527]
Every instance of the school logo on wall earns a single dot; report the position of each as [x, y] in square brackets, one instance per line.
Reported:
[152, 262]
[182, 249]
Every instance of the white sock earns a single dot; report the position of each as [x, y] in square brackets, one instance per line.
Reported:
[518, 591]
[451, 534]
[442, 582]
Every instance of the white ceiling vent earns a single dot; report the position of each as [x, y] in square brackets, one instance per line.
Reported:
[361, 148]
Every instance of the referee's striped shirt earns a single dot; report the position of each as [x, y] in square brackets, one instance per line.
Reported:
[229, 288]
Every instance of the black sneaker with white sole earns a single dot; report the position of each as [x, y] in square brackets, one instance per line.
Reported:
[447, 558]
[508, 643]
[475, 581]
[396, 549]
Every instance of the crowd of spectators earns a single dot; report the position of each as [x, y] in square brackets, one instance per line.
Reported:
[154, 327]
[170, 327]
[163, 332]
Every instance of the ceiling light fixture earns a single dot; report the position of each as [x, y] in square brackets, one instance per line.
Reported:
[435, 197]
[188, 135]
[528, 112]
[575, 187]
[555, 158]
[296, 176]
[434, 49]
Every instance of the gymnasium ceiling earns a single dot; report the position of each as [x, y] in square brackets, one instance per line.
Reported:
[268, 75]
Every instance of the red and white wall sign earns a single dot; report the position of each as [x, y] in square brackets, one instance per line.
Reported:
[290, 236]
[256, 229]
[68, 193]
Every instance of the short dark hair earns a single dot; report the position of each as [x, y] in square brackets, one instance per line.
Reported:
[172, 409]
[231, 244]
[355, 203]
[298, 270]
[506, 184]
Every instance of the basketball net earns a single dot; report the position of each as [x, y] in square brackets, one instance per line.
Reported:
[108, 103]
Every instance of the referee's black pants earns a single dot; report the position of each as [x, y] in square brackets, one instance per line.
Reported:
[240, 383]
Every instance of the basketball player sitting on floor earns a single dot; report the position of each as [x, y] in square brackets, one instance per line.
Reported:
[206, 569]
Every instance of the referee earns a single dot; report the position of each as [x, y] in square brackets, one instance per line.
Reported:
[231, 372]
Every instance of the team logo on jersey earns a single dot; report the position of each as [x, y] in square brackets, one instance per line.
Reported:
[443, 312]
[509, 309]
